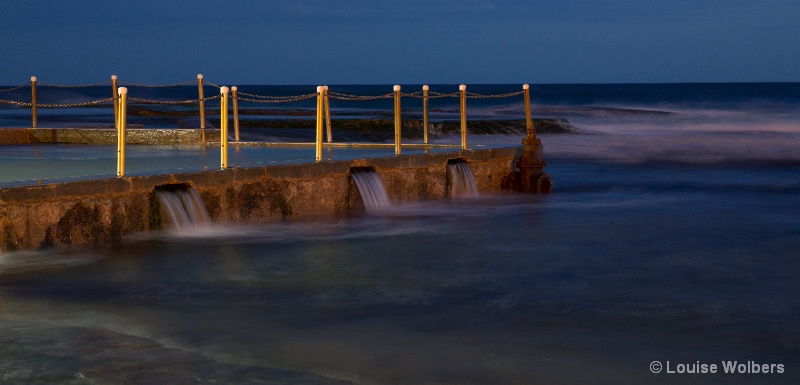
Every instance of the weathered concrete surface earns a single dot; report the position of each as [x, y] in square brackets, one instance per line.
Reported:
[90, 212]
[105, 135]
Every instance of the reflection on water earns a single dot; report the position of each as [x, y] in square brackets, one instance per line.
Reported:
[24, 164]
[624, 265]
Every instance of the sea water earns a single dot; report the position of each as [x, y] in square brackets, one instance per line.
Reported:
[669, 238]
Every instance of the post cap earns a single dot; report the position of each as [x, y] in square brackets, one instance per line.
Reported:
[326, 88]
[122, 90]
[462, 87]
[525, 86]
[223, 90]
[397, 88]
[319, 89]
[33, 78]
[234, 88]
[199, 76]
[425, 88]
[113, 77]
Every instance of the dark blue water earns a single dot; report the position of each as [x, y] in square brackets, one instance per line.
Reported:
[670, 238]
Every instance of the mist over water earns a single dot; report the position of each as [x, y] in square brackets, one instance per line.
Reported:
[669, 237]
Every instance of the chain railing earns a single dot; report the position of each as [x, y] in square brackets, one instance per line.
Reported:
[16, 88]
[340, 96]
[323, 96]
[128, 84]
[171, 102]
[273, 99]
[497, 96]
[42, 84]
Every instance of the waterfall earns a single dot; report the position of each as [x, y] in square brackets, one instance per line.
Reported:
[462, 181]
[182, 208]
[370, 186]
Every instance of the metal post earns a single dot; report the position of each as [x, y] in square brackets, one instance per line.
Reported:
[326, 100]
[425, 90]
[320, 105]
[202, 107]
[397, 122]
[115, 96]
[33, 102]
[235, 113]
[223, 127]
[463, 91]
[123, 94]
[528, 120]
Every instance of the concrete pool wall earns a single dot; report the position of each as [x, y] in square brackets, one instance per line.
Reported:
[90, 212]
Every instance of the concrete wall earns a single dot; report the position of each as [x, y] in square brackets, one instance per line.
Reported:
[89, 212]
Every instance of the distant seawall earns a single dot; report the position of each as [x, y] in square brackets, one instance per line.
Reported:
[371, 130]
[91, 212]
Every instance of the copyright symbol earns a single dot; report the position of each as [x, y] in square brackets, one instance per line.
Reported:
[656, 367]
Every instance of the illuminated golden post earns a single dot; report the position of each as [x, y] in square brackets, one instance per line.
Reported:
[123, 94]
[202, 107]
[463, 91]
[223, 127]
[235, 113]
[528, 121]
[115, 97]
[397, 121]
[33, 102]
[425, 90]
[320, 106]
[326, 100]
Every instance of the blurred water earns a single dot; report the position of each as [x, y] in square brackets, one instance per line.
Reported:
[623, 265]
[664, 240]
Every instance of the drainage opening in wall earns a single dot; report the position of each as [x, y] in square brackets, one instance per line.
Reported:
[180, 207]
[370, 187]
[460, 179]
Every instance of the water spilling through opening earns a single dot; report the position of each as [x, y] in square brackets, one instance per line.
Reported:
[181, 207]
[461, 180]
[370, 186]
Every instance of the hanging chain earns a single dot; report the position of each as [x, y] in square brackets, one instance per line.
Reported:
[73, 85]
[172, 102]
[16, 88]
[157, 85]
[435, 95]
[336, 95]
[479, 96]
[277, 99]
[70, 105]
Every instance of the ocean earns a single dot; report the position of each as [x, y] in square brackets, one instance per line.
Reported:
[666, 253]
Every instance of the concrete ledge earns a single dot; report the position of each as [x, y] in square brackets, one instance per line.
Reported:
[89, 212]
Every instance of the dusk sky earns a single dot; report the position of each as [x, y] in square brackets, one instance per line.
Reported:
[400, 42]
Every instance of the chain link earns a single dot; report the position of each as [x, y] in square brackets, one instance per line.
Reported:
[479, 96]
[157, 85]
[190, 101]
[70, 105]
[276, 99]
[435, 95]
[43, 84]
[281, 99]
[417, 94]
[16, 88]
[336, 95]
[21, 104]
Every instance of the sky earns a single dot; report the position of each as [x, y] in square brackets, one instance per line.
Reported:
[313, 42]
